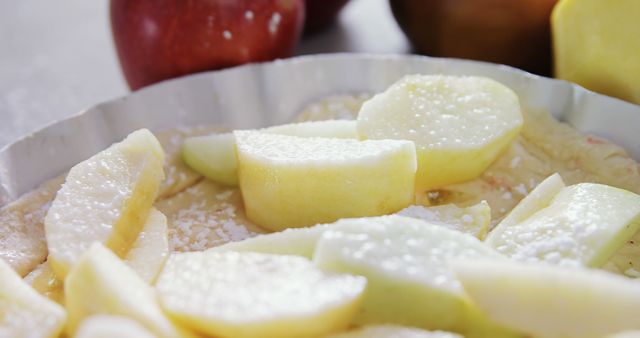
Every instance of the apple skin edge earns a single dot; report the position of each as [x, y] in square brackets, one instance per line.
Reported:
[512, 32]
[161, 39]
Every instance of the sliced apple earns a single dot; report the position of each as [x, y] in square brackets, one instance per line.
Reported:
[44, 280]
[151, 249]
[104, 199]
[214, 156]
[405, 261]
[24, 312]
[459, 124]
[473, 220]
[232, 294]
[100, 283]
[294, 241]
[393, 331]
[549, 301]
[584, 224]
[289, 181]
[105, 326]
[539, 198]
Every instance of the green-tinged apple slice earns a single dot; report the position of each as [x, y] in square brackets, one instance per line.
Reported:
[247, 294]
[626, 260]
[23, 311]
[393, 331]
[105, 326]
[214, 156]
[549, 301]
[584, 224]
[101, 283]
[405, 261]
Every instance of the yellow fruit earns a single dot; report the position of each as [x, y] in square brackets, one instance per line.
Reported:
[100, 283]
[151, 249]
[595, 45]
[459, 124]
[24, 312]
[539, 198]
[104, 199]
[214, 156]
[405, 261]
[393, 331]
[232, 294]
[104, 326]
[548, 301]
[473, 220]
[44, 280]
[289, 181]
[584, 224]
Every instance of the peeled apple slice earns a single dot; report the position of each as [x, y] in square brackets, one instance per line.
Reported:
[151, 249]
[473, 220]
[595, 45]
[294, 241]
[104, 199]
[549, 301]
[539, 198]
[214, 156]
[584, 224]
[44, 280]
[289, 181]
[100, 283]
[24, 312]
[393, 331]
[405, 261]
[459, 124]
[232, 294]
[104, 326]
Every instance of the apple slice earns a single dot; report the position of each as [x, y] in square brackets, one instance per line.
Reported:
[232, 294]
[393, 331]
[459, 124]
[289, 181]
[151, 249]
[473, 220]
[24, 312]
[214, 156]
[539, 198]
[583, 225]
[406, 262]
[104, 326]
[104, 199]
[549, 301]
[294, 241]
[44, 280]
[100, 283]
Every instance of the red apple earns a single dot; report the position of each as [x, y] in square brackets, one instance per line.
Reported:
[161, 39]
[513, 32]
[320, 13]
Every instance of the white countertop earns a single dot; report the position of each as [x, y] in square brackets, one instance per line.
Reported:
[57, 57]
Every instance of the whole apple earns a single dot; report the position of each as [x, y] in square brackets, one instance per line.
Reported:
[161, 39]
[320, 13]
[512, 32]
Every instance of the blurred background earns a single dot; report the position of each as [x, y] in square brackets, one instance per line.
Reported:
[60, 57]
